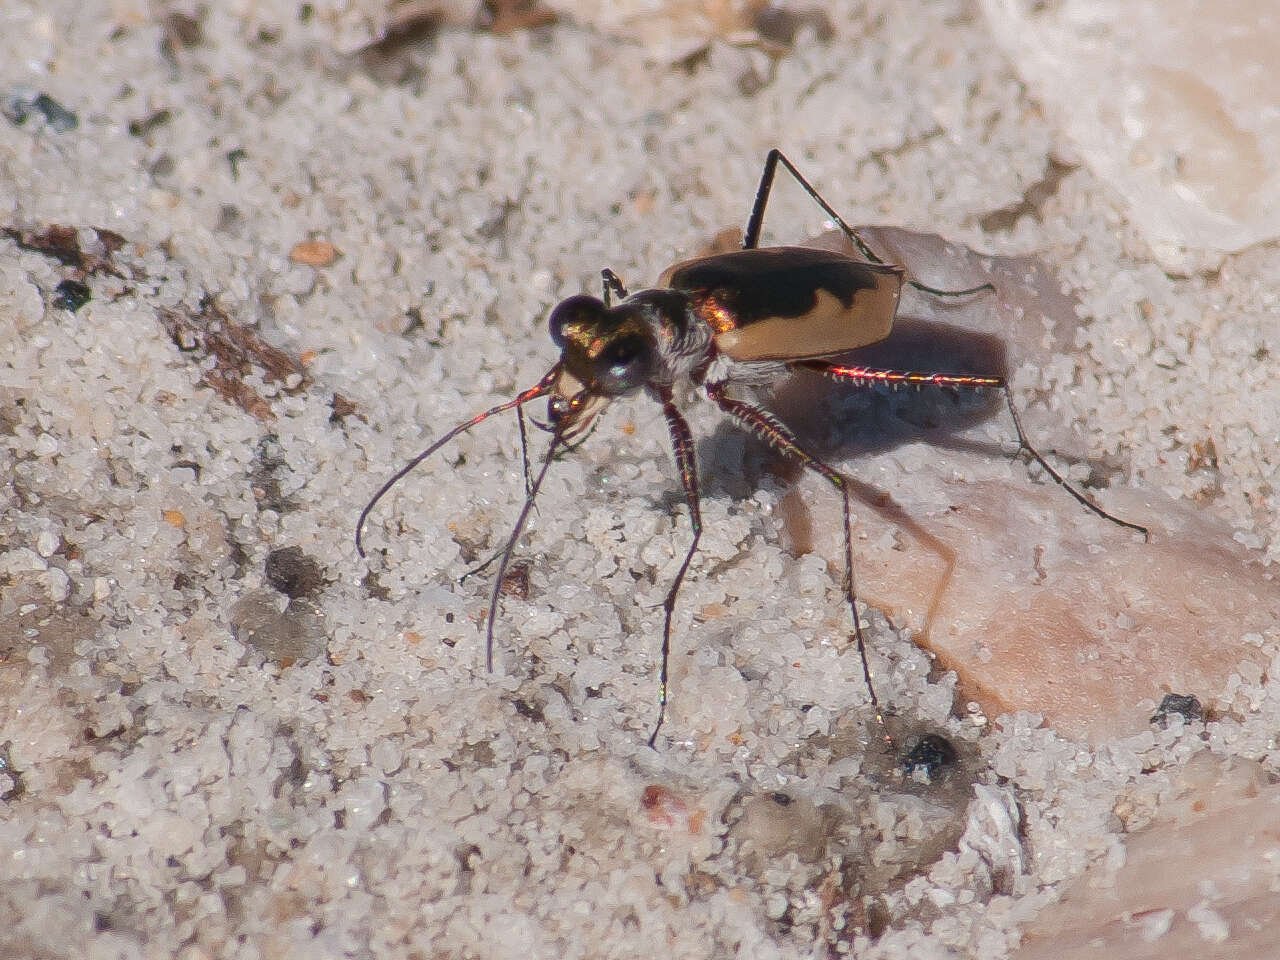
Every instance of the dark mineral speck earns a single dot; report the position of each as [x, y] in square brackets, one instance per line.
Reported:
[71, 295]
[931, 754]
[293, 573]
[1186, 705]
[21, 103]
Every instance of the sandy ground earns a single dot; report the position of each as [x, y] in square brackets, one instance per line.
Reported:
[223, 733]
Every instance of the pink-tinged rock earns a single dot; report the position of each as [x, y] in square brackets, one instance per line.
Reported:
[1134, 84]
[1199, 882]
[1040, 607]
[1036, 603]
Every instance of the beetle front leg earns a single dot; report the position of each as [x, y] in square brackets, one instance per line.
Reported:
[682, 446]
[611, 286]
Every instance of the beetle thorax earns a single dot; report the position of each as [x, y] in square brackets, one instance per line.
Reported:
[681, 342]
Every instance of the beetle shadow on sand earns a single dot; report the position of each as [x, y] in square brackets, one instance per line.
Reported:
[840, 422]
[1029, 320]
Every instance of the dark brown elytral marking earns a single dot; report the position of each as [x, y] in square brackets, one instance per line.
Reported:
[711, 322]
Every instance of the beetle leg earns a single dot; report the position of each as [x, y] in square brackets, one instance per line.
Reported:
[751, 237]
[765, 425]
[612, 285]
[862, 376]
[682, 446]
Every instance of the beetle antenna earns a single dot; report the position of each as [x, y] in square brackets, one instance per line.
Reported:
[541, 388]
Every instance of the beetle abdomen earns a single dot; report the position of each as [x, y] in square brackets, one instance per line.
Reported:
[789, 303]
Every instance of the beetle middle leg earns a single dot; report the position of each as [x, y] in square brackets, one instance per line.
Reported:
[751, 236]
[768, 427]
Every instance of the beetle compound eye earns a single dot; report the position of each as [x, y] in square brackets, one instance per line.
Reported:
[578, 313]
[624, 365]
[557, 408]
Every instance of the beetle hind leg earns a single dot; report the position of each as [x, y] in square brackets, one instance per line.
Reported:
[866, 376]
[751, 236]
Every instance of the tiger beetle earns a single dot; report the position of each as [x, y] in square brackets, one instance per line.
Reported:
[709, 322]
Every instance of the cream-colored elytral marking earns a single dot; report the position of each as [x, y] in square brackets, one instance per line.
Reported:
[829, 328]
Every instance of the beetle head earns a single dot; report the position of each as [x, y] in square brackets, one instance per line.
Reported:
[605, 352]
